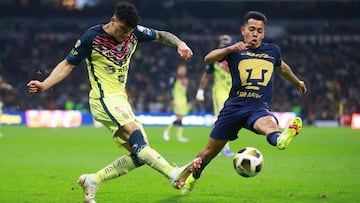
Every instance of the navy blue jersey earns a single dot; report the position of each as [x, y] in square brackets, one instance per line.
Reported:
[250, 98]
[252, 72]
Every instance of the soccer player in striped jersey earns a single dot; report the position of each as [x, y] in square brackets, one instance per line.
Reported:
[252, 64]
[107, 49]
[221, 86]
[179, 102]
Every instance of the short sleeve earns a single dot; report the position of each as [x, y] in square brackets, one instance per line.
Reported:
[144, 34]
[81, 49]
[277, 56]
[209, 68]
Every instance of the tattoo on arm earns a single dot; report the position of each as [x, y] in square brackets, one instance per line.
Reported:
[168, 38]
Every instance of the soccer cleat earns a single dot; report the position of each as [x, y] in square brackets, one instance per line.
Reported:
[166, 135]
[87, 182]
[182, 139]
[189, 185]
[228, 152]
[179, 175]
[289, 133]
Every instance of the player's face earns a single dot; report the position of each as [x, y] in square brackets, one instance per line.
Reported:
[121, 30]
[181, 70]
[253, 32]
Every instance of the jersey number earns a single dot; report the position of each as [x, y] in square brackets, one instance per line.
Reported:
[121, 78]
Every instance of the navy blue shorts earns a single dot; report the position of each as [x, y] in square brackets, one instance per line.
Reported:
[231, 119]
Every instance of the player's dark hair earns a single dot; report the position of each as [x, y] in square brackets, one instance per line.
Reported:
[127, 13]
[255, 15]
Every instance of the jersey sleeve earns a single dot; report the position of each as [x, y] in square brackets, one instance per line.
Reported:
[81, 49]
[209, 68]
[144, 34]
[227, 45]
[277, 56]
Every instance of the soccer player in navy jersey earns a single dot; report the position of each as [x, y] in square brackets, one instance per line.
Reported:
[107, 49]
[252, 64]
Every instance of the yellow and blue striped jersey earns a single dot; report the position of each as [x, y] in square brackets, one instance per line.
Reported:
[107, 59]
[222, 77]
[178, 89]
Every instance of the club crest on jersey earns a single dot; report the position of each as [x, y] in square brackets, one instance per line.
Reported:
[110, 69]
[118, 47]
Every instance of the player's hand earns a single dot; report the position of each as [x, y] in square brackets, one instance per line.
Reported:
[184, 51]
[200, 96]
[301, 87]
[239, 46]
[35, 86]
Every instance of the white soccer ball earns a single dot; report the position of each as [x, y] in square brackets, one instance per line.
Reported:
[248, 162]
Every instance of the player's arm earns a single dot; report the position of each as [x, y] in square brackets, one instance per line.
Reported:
[58, 74]
[200, 94]
[171, 86]
[220, 53]
[172, 40]
[285, 70]
[4, 85]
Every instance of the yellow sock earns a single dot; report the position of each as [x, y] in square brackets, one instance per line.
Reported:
[119, 167]
[169, 127]
[179, 132]
[155, 161]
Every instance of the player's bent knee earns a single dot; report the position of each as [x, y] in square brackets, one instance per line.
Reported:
[266, 125]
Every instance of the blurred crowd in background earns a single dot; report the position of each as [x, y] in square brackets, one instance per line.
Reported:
[323, 51]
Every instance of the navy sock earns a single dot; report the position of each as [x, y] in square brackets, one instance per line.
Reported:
[136, 160]
[137, 141]
[272, 138]
[177, 123]
[198, 172]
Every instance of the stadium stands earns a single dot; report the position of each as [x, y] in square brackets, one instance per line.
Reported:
[323, 52]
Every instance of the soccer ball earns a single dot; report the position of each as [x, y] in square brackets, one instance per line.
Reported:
[248, 162]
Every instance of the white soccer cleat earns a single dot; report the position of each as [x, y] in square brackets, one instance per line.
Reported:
[166, 135]
[179, 175]
[87, 182]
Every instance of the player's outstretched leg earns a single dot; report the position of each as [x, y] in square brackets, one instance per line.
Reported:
[289, 133]
[87, 182]
[180, 174]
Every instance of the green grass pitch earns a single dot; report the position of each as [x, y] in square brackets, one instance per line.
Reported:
[43, 164]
